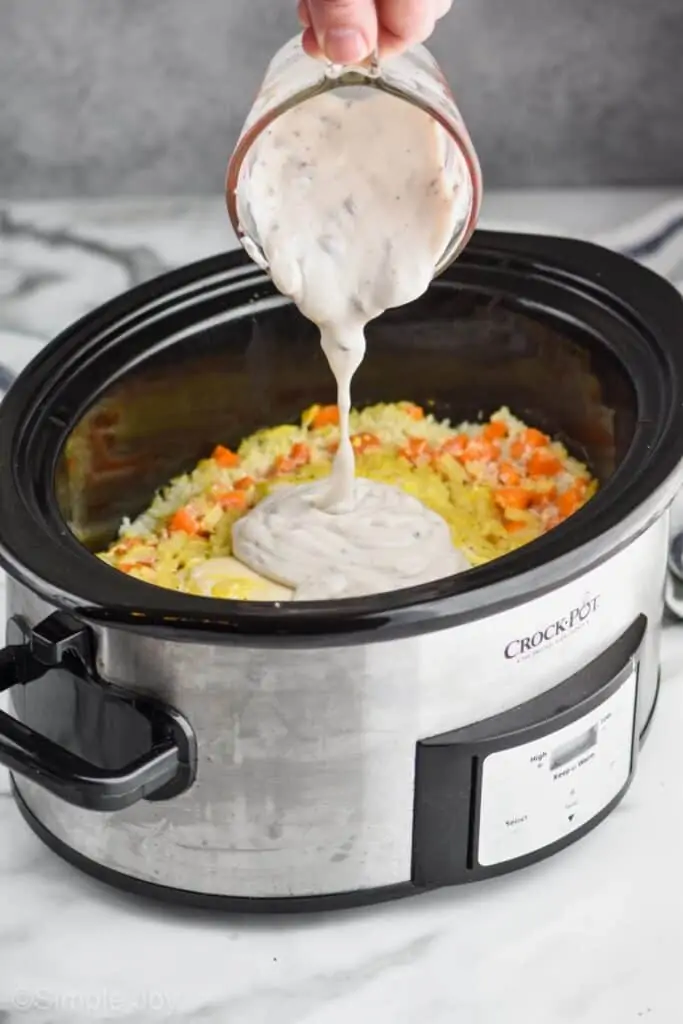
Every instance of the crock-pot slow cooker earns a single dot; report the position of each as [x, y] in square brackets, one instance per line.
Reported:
[309, 755]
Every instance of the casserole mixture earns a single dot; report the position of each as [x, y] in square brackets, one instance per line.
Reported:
[498, 485]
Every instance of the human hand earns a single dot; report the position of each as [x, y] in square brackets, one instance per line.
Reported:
[348, 31]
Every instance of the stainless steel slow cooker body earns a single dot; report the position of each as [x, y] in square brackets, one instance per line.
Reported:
[248, 755]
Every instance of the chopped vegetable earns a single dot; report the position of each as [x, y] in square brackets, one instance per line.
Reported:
[494, 431]
[326, 416]
[512, 497]
[455, 446]
[569, 502]
[299, 455]
[508, 475]
[414, 411]
[533, 438]
[480, 450]
[184, 521]
[225, 458]
[543, 463]
[232, 499]
[416, 450]
[514, 525]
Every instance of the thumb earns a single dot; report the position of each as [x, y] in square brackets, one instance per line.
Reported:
[345, 30]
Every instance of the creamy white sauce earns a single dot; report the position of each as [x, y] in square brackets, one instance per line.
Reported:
[389, 541]
[354, 202]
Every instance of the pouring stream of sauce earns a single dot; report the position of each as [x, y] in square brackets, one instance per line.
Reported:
[354, 206]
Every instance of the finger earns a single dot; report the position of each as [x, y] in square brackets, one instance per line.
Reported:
[407, 21]
[345, 30]
[303, 14]
[310, 44]
[442, 7]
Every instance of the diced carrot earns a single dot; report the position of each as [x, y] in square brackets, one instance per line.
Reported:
[184, 520]
[480, 450]
[543, 463]
[533, 438]
[512, 497]
[232, 499]
[455, 445]
[514, 525]
[225, 458]
[298, 456]
[544, 497]
[414, 411]
[494, 431]
[568, 502]
[300, 453]
[517, 449]
[244, 483]
[365, 442]
[416, 449]
[326, 416]
[508, 475]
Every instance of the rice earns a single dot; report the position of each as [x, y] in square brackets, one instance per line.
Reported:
[499, 484]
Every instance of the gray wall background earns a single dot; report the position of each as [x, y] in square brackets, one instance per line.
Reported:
[104, 97]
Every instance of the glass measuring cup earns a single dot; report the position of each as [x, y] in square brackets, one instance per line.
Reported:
[293, 78]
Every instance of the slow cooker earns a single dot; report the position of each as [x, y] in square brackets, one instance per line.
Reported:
[265, 757]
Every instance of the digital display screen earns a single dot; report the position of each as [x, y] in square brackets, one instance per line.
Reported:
[573, 748]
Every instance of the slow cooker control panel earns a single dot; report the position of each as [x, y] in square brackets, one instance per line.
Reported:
[535, 794]
[513, 789]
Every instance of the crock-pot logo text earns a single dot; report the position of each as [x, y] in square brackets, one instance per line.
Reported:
[553, 631]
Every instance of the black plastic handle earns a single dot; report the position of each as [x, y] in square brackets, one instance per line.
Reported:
[165, 771]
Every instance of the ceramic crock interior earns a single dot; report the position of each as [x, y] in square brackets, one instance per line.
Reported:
[461, 351]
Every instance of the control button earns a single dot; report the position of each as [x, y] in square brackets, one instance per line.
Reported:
[516, 822]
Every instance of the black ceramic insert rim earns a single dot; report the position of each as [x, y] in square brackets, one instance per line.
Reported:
[52, 394]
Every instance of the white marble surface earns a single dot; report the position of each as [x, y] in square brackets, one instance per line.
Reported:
[592, 936]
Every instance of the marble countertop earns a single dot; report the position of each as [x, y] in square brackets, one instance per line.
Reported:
[591, 936]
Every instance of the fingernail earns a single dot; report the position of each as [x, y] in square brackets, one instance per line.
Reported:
[345, 46]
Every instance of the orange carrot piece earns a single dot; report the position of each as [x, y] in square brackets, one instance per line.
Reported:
[542, 498]
[455, 445]
[299, 455]
[184, 521]
[415, 449]
[244, 483]
[568, 502]
[508, 475]
[414, 411]
[232, 500]
[533, 438]
[514, 525]
[494, 431]
[225, 458]
[512, 497]
[517, 449]
[480, 450]
[326, 416]
[543, 463]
